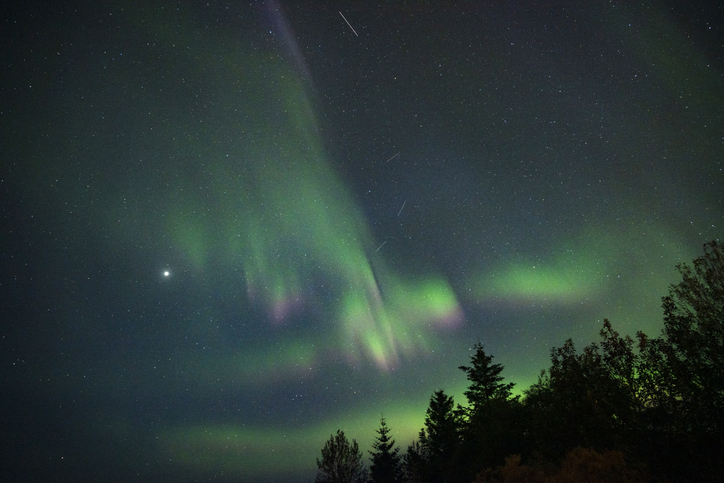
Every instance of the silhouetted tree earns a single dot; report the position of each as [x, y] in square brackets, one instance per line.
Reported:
[485, 380]
[620, 364]
[573, 402]
[386, 464]
[625, 395]
[661, 442]
[538, 404]
[688, 365]
[440, 438]
[492, 421]
[660, 402]
[341, 461]
[694, 331]
[414, 462]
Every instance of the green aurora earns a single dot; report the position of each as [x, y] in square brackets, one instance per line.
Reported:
[283, 292]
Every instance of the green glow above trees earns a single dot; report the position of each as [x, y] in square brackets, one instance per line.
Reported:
[244, 450]
[587, 267]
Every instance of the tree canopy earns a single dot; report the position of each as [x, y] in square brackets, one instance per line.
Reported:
[341, 461]
[694, 334]
[621, 409]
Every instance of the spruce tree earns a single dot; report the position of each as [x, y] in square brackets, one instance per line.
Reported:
[485, 380]
[490, 431]
[386, 467]
[440, 439]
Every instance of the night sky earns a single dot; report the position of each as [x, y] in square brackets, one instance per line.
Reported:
[229, 229]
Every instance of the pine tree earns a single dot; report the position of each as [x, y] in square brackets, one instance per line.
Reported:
[341, 461]
[386, 467]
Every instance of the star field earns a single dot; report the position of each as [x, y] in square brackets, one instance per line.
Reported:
[230, 229]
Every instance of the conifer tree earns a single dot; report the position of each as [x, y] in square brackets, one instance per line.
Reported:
[485, 380]
[440, 439]
[386, 467]
[491, 429]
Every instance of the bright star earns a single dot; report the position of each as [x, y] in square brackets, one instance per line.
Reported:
[166, 273]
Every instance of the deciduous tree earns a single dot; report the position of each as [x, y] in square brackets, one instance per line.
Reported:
[341, 461]
[694, 334]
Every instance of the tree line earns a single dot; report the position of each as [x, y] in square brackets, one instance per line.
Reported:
[621, 409]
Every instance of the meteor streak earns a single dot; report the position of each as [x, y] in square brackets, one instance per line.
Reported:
[393, 157]
[350, 26]
[403, 206]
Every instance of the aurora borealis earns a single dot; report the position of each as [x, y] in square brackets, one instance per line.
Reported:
[230, 229]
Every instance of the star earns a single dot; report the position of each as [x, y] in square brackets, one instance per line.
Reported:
[166, 273]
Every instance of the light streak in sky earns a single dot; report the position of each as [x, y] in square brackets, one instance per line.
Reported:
[393, 157]
[350, 26]
[403, 207]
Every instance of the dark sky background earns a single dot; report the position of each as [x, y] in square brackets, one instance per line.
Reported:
[231, 228]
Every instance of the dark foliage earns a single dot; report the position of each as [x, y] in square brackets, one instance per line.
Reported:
[485, 381]
[341, 461]
[619, 410]
[579, 465]
[492, 425]
[694, 333]
[440, 438]
[690, 356]
[413, 463]
[386, 463]
[579, 402]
